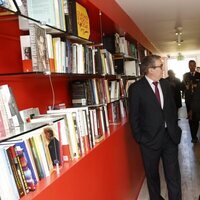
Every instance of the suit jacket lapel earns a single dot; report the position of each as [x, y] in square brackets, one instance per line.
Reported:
[148, 91]
[164, 91]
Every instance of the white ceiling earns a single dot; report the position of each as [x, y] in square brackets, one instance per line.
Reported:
[157, 19]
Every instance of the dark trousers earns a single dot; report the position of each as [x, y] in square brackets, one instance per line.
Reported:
[194, 125]
[169, 155]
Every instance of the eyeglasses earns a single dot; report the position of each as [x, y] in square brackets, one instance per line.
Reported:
[160, 66]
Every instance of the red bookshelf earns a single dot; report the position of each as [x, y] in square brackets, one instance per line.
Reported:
[113, 169]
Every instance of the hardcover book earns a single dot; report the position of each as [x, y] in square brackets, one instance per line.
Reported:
[26, 53]
[79, 93]
[46, 12]
[39, 48]
[8, 106]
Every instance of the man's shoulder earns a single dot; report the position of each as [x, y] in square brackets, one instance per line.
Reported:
[186, 74]
[137, 83]
[164, 80]
[197, 74]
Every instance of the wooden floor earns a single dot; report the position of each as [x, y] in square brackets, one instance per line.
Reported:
[189, 159]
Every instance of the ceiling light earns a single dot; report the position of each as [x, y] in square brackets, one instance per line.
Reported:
[179, 34]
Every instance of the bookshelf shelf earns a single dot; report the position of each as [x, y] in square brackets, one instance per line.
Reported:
[123, 56]
[25, 128]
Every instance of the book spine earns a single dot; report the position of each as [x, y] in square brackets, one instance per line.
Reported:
[36, 158]
[22, 175]
[13, 163]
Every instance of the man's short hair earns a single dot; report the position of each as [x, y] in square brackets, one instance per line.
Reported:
[148, 62]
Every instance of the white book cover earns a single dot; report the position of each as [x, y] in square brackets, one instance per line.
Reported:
[130, 68]
[25, 47]
[9, 4]
[63, 57]
[80, 59]
[43, 11]
[57, 54]
[50, 46]
[8, 188]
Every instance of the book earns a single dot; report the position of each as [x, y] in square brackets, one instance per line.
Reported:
[13, 163]
[9, 108]
[83, 21]
[39, 49]
[9, 4]
[50, 52]
[128, 83]
[109, 43]
[25, 167]
[60, 130]
[64, 139]
[36, 158]
[130, 68]
[22, 5]
[79, 93]
[78, 125]
[8, 188]
[43, 11]
[72, 24]
[114, 90]
[39, 146]
[114, 113]
[2, 127]
[26, 53]
[28, 114]
[22, 145]
[123, 108]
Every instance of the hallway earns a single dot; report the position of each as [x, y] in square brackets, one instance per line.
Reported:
[189, 159]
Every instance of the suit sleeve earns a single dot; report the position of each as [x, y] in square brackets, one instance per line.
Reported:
[134, 111]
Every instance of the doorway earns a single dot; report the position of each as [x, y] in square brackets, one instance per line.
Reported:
[179, 66]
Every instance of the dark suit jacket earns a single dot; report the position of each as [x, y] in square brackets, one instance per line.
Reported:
[175, 85]
[147, 118]
[189, 85]
[195, 105]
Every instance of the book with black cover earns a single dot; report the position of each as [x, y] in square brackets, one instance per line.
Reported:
[72, 21]
[79, 93]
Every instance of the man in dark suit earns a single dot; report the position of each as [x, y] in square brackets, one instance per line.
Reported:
[189, 85]
[153, 119]
[175, 85]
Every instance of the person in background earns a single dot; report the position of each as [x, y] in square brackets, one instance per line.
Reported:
[175, 85]
[195, 107]
[198, 69]
[153, 119]
[189, 85]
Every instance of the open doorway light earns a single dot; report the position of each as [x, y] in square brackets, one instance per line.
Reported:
[179, 66]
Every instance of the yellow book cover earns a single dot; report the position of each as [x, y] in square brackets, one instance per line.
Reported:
[83, 21]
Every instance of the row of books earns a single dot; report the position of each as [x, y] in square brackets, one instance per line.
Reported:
[96, 91]
[126, 67]
[87, 126]
[42, 52]
[66, 15]
[28, 158]
[117, 44]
